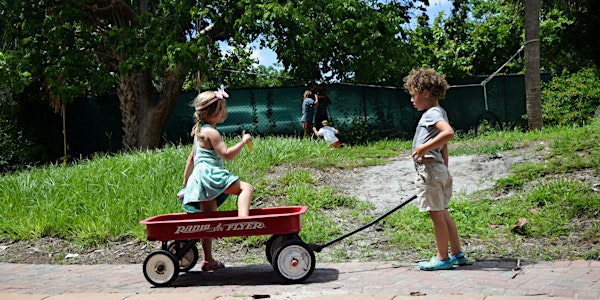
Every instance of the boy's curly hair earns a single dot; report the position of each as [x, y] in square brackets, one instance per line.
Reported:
[423, 79]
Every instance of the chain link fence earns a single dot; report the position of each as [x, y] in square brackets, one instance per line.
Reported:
[359, 112]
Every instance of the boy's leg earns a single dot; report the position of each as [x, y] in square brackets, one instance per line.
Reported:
[452, 234]
[441, 231]
[207, 243]
[244, 192]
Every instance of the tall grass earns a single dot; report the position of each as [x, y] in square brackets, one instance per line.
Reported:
[102, 199]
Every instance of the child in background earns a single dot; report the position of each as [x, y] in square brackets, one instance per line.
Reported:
[207, 183]
[430, 155]
[309, 101]
[328, 133]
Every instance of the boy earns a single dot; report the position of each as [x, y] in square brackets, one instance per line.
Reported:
[430, 155]
[328, 133]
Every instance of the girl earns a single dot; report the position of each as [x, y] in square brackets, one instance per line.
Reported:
[207, 183]
[309, 101]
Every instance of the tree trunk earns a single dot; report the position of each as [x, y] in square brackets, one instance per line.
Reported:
[532, 64]
[143, 117]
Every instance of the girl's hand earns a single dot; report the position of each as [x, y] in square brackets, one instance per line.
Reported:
[246, 137]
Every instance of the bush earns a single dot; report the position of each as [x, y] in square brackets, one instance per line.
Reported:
[571, 99]
[14, 147]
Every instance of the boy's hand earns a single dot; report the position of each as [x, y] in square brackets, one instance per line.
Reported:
[419, 152]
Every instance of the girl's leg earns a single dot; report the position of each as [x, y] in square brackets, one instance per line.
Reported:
[244, 192]
[441, 231]
[307, 126]
[207, 243]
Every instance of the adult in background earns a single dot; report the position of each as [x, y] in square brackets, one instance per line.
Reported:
[322, 112]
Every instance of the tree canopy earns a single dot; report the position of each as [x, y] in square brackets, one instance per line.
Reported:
[147, 51]
[141, 48]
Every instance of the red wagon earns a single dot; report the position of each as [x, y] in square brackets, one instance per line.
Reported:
[179, 233]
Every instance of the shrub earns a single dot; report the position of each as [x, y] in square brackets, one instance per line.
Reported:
[571, 99]
[14, 147]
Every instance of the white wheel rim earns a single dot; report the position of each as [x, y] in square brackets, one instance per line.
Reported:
[160, 268]
[186, 260]
[294, 262]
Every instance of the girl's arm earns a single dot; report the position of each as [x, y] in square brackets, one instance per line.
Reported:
[221, 148]
[445, 135]
[189, 167]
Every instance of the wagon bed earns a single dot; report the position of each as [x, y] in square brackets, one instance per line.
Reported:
[191, 226]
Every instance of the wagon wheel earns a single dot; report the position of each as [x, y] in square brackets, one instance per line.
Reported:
[275, 241]
[272, 245]
[294, 261]
[161, 268]
[188, 259]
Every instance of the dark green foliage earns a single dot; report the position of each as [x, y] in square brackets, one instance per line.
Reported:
[15, 149]
[571, 98]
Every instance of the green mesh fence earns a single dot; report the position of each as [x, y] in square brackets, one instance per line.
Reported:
[94, 124]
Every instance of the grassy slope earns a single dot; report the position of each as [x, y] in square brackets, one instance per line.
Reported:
[104, 198]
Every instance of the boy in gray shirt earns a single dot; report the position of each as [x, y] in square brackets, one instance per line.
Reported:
[430, 155]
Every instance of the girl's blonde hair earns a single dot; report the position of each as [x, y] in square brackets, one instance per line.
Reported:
[307, 94]
[422, 79]
[204, 110]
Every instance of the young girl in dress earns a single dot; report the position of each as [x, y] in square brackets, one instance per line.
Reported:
[207, 183]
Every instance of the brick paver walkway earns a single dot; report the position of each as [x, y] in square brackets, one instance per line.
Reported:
[576, 279]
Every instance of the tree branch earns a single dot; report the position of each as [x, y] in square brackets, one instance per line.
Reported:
[104, 8]
[217, 36]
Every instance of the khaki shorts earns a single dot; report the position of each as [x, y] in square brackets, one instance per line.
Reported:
[434, 186]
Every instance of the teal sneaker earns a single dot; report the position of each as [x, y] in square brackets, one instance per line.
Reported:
[458, 259]
[435, 264]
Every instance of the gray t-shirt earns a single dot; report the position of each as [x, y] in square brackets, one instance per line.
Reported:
[426, 130]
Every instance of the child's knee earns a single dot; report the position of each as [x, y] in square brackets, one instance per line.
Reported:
[246, 187]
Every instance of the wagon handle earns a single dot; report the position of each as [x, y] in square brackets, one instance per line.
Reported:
[318, 248]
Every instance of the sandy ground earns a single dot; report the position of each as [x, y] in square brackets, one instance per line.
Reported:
[386, 185]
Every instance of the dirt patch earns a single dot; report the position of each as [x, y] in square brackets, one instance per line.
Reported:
[384, 185]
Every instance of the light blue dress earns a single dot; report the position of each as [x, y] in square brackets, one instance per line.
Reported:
[208, 180]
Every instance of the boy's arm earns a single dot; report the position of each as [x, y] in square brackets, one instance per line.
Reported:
[445, 135]
[316, 132]
[445, 154]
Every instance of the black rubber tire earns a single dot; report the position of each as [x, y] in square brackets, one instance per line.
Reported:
[272, 245]
[188, 259]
